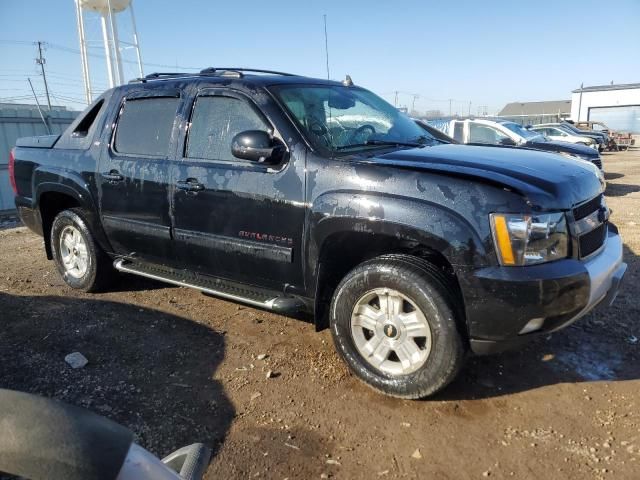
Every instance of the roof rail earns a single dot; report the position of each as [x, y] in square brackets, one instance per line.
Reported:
[212, 70]
[160, 75]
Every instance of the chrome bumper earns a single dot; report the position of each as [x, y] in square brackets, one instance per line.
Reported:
[606, 271]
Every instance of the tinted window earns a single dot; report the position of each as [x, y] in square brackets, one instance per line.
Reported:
[82, 130]
[144, 127]
[214, 123]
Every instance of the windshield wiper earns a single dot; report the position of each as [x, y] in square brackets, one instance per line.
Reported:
[382, 143]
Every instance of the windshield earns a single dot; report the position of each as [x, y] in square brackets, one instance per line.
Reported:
[341, 119]
[523, 132]
[570, 128]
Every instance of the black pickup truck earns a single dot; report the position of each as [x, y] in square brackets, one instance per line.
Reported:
[307, 196]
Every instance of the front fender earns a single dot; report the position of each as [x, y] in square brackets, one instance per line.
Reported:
[412, 221]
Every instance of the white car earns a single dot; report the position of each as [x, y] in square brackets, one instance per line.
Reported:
[563, 135]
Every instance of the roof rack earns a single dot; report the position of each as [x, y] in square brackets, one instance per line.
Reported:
[211, 71]
[161, 75]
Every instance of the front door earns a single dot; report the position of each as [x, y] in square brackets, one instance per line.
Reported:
[134, 176]
[234, 218]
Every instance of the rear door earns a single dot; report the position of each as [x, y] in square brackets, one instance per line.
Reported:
[134, 175]
[235, 218]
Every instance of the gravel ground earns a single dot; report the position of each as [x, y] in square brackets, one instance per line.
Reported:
[178, 367]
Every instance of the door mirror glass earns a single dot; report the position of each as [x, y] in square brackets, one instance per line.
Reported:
[507, 141]
[257, 146]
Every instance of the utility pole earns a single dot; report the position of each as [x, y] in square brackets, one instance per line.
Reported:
[450, 106]
[41, 61]
[395, 100]
[580, 102]
[469, 108]
[413, 102]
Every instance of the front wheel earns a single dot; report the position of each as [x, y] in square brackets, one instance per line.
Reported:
[393, 320]
[78, 257]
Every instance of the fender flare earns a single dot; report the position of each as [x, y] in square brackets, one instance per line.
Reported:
[66, 182]
[461, 241]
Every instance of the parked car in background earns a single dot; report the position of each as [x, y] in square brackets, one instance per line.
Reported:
[438, 134]
[604, 136]
[618, 140]
[497, 131]
[562, 134]
[243, 184]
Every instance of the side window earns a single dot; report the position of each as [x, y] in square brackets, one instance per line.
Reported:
[484, 134]
[557, 132]
[82, 129]
[215, 121]
[144, 126]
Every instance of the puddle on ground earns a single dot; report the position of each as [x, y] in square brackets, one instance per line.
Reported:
[590, 364]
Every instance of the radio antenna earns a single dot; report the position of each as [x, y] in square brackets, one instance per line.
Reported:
[326, 44]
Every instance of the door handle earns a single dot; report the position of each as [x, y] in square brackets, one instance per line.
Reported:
[190, 185]
[113, 176]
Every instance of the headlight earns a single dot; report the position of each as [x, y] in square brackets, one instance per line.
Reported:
[529, 239]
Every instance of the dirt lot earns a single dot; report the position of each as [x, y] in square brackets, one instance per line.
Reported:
[178, 367]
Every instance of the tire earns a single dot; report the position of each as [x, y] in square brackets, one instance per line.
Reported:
[423, 289]
[70, 234]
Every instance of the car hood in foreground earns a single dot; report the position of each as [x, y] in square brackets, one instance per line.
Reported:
[546, 180]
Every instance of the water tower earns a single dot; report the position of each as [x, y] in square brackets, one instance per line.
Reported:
[108, 11]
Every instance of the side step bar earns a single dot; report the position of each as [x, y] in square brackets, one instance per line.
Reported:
[235, 292]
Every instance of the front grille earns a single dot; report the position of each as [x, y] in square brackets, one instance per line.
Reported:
[590, 237]
[587, 208]
[592, 241]
[598, 163]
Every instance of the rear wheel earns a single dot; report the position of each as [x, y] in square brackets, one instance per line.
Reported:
[79, 259]
[393, 320]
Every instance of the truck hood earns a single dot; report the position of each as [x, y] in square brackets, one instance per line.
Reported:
[546, 180]
[565, 147]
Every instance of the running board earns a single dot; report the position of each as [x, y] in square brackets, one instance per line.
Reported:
[236, 292]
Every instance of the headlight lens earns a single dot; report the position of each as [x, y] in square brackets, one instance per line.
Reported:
[529, 239]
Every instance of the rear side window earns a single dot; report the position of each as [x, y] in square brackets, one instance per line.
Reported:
[144, 126]
[82, 130]
[214, 123]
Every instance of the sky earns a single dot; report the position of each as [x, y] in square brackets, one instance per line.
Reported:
[476, 53]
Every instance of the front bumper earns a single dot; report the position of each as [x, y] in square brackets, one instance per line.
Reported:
[502, 301]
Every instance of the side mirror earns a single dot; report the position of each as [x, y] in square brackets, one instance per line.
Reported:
[507, 142]
[257, 146]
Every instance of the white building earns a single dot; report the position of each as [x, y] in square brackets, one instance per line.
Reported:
[618, 106]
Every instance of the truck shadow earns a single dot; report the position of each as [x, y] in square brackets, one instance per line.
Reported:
[620, 189]
[148, 370]
[612, 175]
[602, 346]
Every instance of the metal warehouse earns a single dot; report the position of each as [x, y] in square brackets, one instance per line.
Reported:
[616, 105]
[20, 120]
